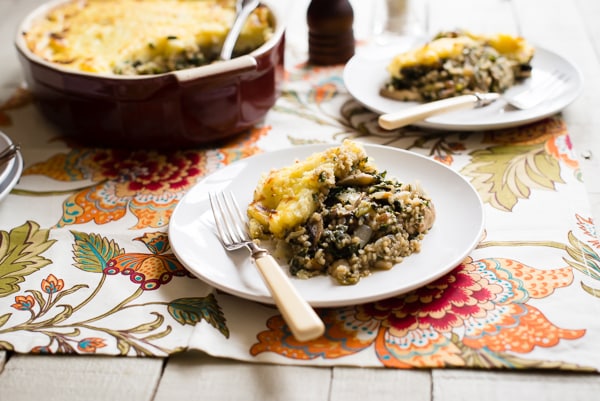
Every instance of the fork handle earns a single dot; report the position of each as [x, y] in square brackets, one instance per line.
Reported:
[303, 321]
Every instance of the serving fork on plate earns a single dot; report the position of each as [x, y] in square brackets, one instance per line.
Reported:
[524, 96]
[303, 321]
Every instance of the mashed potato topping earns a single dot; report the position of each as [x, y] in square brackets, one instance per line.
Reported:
[457, 63]
[334, 213]
[287, 197]
[135, 37]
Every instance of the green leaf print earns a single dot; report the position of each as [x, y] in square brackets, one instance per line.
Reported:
[592, 291]
[585, 258]
[4, 318]
[193, 310]
[505, 174]
[20, 251]
[93, 251]
[150, 326]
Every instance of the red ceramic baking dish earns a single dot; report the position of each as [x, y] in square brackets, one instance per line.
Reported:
[184, 108]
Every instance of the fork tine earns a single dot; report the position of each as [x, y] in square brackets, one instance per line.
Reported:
[549, 86]
[228, 218]
[236, 218]
[557, 84]
[548, 80]
[552, 82]
[217, 212]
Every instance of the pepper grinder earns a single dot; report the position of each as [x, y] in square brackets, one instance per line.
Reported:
[330, 32]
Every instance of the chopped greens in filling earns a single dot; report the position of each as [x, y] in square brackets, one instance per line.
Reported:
[358, 228]
[362, 221]
[458, 63]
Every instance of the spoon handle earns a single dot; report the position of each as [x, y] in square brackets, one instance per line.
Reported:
[247, 7]
[9, 152]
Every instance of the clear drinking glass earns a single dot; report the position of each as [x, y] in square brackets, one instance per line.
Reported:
[383, 22]
[406, 17]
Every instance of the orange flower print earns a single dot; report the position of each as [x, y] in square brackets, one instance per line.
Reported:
[52, 285]
[445, 159]
[479, 307]
[562, 149]
[41, 349]
[588, 228]
[90, 344]
[324, 92]
[325, 83]
[457, 146]
[149, 270]
[24, 302]
[147, 184]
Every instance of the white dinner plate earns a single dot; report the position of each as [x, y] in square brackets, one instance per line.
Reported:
[457, 230]
[7, 167]
[13, 176]
[10, 172]
[366, 73]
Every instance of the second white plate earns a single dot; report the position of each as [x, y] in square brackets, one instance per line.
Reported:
[6, 167]
[366, 73]
[10, 172]
[457, 230]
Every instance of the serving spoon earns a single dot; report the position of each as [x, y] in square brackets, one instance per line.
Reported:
[8, 153]
[243, 10]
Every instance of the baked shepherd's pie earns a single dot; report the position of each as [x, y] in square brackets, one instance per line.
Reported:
[335, 213]
[135, 37]
[458, 63]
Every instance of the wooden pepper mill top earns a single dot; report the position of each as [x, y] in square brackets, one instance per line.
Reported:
[330, 32]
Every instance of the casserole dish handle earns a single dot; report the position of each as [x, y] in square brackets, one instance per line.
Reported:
[217, 70]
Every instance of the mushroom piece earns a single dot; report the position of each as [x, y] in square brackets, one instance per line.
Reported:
[315, 227]
[360, 179]
[364, 234]
[428, 217]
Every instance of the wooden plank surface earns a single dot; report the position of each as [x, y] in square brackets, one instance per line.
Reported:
[380, 384]
[470, 385]
[196, 376]
[49, 378]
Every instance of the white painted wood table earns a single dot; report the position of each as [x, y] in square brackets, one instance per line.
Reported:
[568, 27]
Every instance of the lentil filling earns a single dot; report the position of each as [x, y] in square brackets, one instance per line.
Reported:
[359, 227]
[348, 218]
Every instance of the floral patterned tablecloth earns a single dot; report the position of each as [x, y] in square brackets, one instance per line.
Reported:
[86, 265]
